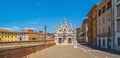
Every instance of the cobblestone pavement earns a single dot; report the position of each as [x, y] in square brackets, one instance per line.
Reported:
[71, 52]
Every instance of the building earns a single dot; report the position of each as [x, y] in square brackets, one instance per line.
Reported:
[23, 36]
[92, 26]
[65, 34]
[50, 36]
[79, 35]
[85, 31]
[105, 25]
[8, 36]
[116, 17]
[34, 36]
[82, 33]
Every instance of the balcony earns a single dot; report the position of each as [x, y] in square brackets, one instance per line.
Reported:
[104, 35]
[118, 10]
[118, 25]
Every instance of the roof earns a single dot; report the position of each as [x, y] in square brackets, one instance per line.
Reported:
[64, 26]
[4, 30]
[95, 6]
[85, 21]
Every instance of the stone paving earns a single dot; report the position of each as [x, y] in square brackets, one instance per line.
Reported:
[71, 52]
[60, 52]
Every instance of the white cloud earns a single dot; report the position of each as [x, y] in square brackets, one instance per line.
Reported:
[33, 22]
[30, 28]
[13, 28]
[84, 17]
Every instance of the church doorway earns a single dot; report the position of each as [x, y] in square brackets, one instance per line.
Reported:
[60, 40]
[69, 40]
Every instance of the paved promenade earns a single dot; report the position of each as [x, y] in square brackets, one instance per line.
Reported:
[70, 52]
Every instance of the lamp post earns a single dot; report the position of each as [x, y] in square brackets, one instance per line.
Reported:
[45, 28]
[75, 40]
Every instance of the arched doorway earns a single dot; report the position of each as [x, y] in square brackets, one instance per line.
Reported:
[60, 40]
[103, 43]
[99, 43]
[109, 43]
[69, 40]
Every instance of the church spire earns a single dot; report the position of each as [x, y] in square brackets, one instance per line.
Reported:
[60, 23]
[65, 21]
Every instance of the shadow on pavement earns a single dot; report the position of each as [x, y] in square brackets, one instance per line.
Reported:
[102, 49]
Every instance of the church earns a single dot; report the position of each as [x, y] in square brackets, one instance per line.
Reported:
[65, 34]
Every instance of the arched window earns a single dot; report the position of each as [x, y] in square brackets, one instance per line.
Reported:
[99, 43]
[109, 31]
[69, 40]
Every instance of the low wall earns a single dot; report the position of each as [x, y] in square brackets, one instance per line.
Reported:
[23, 51]
[25, 42]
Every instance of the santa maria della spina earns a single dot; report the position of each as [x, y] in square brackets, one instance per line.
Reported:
[65, 34]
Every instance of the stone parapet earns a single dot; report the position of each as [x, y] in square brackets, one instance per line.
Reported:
[23, 51]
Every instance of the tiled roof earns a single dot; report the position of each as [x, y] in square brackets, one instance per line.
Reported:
[4, 30]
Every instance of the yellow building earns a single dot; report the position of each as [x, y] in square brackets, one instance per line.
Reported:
[80, 36]
[25, 35]
[7, 36]
[36, 36]
[33, 36]
[85, 31]
[50, 36]
[92, 26]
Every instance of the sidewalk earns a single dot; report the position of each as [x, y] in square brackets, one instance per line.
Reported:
[103, 49]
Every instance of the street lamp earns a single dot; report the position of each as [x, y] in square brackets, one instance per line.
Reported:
[45, 28]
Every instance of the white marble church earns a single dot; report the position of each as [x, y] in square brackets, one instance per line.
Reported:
[65, 34]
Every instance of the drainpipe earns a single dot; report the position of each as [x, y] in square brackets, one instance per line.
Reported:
[113, 34]
[45, 27]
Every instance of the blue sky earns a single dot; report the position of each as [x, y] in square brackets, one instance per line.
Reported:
[17, 15]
